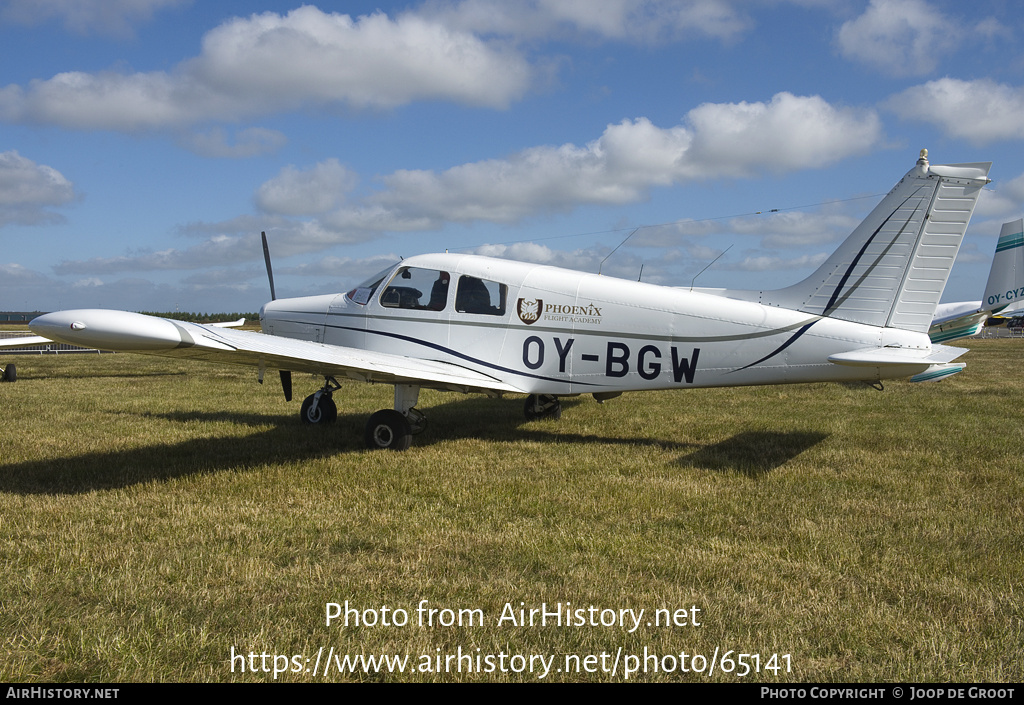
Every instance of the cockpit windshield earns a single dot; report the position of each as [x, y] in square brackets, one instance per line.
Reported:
[362, 293]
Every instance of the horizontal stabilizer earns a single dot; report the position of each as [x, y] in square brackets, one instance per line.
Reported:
[962, 327]
[897, 357]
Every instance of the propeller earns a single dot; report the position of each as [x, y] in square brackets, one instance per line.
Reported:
[286, 375]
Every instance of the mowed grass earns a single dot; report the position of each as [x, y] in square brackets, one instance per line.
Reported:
[155, 514]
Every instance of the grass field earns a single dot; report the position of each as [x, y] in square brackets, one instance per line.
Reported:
[156, 514]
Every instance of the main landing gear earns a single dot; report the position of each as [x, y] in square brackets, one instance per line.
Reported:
[387, 429]
[9, 374]
[393, 429]
[542, 406]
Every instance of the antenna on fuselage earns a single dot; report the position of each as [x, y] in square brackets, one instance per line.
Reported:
[286, 375]
[709, 264]
[616, 248]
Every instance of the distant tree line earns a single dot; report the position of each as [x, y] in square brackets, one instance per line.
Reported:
[203, 317]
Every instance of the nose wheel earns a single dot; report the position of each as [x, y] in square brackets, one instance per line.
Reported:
[317, 411]
[319, 407]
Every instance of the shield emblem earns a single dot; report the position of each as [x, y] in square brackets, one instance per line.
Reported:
[529, 311]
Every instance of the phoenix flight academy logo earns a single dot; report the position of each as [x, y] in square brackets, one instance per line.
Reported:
[532, 310]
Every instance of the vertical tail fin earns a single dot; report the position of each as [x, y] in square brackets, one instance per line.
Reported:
[891, 270]
[1006, 278]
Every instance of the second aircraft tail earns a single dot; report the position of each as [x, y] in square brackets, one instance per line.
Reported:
[1005, 285]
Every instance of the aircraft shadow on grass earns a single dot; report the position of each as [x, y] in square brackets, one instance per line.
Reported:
[751, 453]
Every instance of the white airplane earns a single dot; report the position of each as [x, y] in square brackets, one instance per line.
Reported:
[465, 323]
[1004, 292]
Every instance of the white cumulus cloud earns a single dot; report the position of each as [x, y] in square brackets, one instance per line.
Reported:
[788, 133]
[980, 111]
[313, 191]
[1002, 200]
[110, 17]
[899, 37]
[631, 157]
[250, 142]
[28, 190]
[621, 166]
[796, 228]
[772, 263]
[270, 63]
[633, 20]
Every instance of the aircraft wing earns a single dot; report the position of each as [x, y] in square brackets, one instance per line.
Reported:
[136, 332]
[23, 341]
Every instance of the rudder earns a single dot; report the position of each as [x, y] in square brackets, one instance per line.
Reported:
[891, 270]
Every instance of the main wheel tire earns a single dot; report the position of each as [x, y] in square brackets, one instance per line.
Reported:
[326, 411]
[550, 407]
[10, 373]
[388, 430]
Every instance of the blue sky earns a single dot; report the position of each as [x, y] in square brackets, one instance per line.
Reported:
[144, 144]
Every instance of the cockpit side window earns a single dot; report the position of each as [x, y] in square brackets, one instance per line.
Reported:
[480, 296]
[417, 289]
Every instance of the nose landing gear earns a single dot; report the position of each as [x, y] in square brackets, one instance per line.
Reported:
[319, 407]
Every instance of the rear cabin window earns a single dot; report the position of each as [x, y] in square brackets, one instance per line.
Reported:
[480, 296]
[417, 289]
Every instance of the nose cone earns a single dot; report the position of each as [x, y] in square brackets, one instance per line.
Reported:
[110, 330]
[269, 314]
[292, 318]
